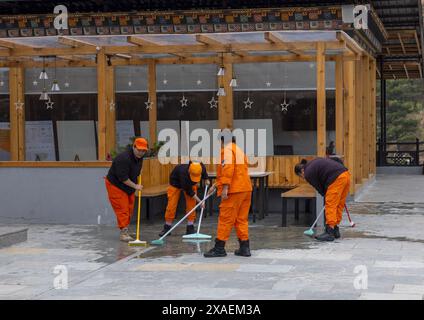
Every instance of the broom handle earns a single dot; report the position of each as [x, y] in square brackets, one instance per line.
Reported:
[187, 214]
[316, 220]
[201, 212]
[138, 209]
[348, 215]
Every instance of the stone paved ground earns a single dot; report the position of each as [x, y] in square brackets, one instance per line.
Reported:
[387, 244]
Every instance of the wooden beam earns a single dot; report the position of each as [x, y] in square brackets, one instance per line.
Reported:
[420, 70]
[417, 42]
[401, 43]
[17, 113]
[208, 41]
[373, 119]
[9, 44]
[406, 71]
[76, 43]
[365, 116]
[170, 49]
[321, 101]
[349, 43]
[141, 41]
[153, 101]
[349, 79]
[101, 104]
[110, 110]
[358, 122]
[225, 103]
[339, 106]
[275, 38]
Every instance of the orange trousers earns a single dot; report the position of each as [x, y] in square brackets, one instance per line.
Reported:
[173, 198]
[335, 199]
[122, 204]
[234, 212]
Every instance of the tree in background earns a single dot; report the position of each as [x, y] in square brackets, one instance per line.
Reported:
[405, 110]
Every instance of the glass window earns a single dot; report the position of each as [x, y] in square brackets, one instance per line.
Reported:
[62, 128]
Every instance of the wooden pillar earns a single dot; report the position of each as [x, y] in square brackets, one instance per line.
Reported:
[339, 106]
[110, 110]
[365, 116]
[153, 105]
[358, 128]
[225, 103]
[101, 105]
[350, 117]
[321, 118]
[17, 113]
[373, 119]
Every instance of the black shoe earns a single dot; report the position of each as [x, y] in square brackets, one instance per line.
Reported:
[328, 234]
[166, 228]
[244, 250]
[336, 232]
[217, 251]
[190, 229]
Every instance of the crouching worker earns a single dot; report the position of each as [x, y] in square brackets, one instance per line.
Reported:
[332, 180]
[184, 177]
[235, 188]
[121, 183]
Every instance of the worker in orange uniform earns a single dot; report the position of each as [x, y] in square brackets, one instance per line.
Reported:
[332, 180]
[235, 188]
[121, 183]
[184, 177]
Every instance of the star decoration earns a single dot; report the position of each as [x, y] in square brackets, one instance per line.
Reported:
[199, 82]
[34, 83]
[66, 84]
[268, 84]
[165, 81]
[183, 101]
[19, 105]
[49, 104]
[213, 103]
[112, 106]
[248, 103]
[148, 104]
[284, 106]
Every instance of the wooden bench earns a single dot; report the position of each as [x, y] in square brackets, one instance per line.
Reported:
[153, 192]
[303, 191]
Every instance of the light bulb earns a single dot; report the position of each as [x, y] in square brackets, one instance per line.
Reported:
[221, 71]
[221, 92]
[233, 82]
[43, 75]
[44, 95]
[55, 86]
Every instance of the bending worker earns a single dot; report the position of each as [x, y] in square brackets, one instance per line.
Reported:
[121, 183]
[184, 177]
[235, 188]
[332, 180]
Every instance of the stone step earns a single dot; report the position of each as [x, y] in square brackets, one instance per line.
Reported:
[12, 235]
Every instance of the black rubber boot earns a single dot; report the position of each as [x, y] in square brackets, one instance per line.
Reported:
[244, 250]
[336, 232]
[166, 228]
[190, 229]
[328, 234]
[217, 251]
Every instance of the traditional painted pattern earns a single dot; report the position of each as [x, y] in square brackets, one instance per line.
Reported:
[176, 22]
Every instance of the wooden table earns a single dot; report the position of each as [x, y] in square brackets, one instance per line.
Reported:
[303, 191]
[261, 194]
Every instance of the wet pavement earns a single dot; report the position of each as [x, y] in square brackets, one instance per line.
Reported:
[381, 258]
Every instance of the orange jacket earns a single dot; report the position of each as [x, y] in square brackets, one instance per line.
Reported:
[236, 175]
